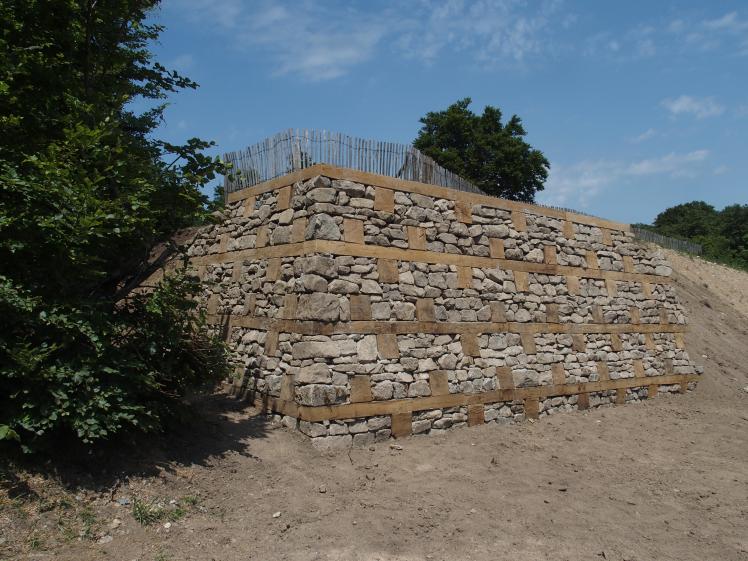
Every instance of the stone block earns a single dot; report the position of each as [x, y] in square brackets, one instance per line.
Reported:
[316, 349]
[322, 227]
[316, 395]
[318, 306]
[317, 373]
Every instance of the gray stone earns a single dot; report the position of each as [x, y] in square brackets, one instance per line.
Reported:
[349, 187]
[420, 388]
[356, 428]
[316, 349]
[319, 306]
[363, 439]
[314, 283]
[317, 373]
[312, 429]
[322, 227]
[319, 394]
[377, 423]
[380, 311]
[522, 315]
[336, 429]
[419, 427]
[320, 265]
[281, 235]
[382, 390]
[369, 286]
[342, 286]
[322, 195]
[404, 311]
[447, 362]
[332, 443]
[285, 217]
[367, 348]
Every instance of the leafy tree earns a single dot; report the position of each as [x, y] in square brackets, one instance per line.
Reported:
[85, 193]
[722, 234]
[482, 149]
[688, 220]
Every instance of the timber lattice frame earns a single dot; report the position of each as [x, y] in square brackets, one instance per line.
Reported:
[524, 273]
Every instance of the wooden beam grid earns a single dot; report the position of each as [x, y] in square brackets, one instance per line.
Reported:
[420, 255]
[406, 407]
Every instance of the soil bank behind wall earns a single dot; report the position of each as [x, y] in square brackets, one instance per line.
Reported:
[362, 307]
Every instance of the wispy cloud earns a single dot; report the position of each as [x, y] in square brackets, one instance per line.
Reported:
[721, 170]
[646, 135]
[498, 30]
[324, 41]
[578, 184]
[729, 30]
[700, 108]
[674, 164]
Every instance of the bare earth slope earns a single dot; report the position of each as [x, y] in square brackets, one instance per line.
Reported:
[662, 480]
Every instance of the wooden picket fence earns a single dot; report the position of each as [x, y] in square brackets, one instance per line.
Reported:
[296, 149]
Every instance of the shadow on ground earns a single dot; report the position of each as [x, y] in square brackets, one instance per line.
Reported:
[217, 425]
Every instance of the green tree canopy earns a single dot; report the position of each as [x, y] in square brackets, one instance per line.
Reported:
[723, 234]
[480, 148]
[85, 193]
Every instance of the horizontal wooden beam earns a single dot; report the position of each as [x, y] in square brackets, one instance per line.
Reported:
[437, 327]
[420, 256]
[335, 172]
[400, 406]
[423, 256]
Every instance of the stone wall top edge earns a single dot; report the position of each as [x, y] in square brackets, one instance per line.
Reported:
[334, 172]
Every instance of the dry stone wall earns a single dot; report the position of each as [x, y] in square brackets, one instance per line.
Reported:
[360, 307]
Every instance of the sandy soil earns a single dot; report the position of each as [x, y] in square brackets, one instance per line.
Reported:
[730, 284]
[663, 480]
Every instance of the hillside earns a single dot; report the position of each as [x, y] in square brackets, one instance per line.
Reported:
[666, 479]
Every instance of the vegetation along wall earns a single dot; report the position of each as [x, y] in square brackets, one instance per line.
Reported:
[361, 307]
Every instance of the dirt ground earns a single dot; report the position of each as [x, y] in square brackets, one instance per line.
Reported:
[661, 480]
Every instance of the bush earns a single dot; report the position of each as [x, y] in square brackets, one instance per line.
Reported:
[85, 193]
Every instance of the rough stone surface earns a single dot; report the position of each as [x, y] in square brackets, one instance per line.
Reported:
[323, 362]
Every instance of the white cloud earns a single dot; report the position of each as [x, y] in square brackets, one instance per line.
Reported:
[700, 108]
[674, 164]
[729, 22]
[729, 30]
[720, 170]
[576, 185]
[491, 30]
[646, 135]
[322, 41]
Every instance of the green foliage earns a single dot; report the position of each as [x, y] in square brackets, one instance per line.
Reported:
[723, 234]
[85, 193]
[493, 155]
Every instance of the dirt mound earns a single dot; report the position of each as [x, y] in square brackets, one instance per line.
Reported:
[666, 479]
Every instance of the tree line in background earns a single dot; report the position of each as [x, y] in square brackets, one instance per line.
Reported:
[85, 193]
[723, 234]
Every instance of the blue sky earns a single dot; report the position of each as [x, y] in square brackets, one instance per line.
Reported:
[637, 105]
